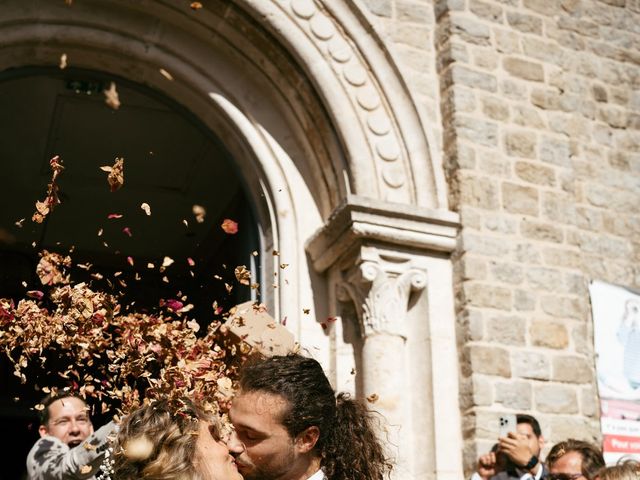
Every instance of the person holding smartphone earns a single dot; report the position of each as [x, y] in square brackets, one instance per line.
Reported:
[516, 456]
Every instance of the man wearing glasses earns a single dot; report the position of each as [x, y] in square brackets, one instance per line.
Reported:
[574, 460]
[68, 448]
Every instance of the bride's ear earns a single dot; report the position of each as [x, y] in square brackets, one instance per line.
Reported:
[307, 439]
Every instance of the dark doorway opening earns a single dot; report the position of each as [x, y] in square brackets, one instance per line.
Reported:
[171, 162]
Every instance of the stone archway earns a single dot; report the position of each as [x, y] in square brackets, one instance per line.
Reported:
[339, 165]
[59, 112]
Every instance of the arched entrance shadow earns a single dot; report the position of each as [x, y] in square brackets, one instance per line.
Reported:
[172, 162]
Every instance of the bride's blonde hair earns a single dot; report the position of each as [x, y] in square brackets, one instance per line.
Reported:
[625, 469]
[157, 441]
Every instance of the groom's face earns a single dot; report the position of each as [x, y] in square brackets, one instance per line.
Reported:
[261, 445]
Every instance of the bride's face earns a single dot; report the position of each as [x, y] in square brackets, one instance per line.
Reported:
[213, 456]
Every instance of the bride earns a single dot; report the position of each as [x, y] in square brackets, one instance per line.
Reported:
[171, 439]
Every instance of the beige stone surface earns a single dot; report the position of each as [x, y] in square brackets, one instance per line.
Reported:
[573, 369]
[490, 360]
[253, 325]
[520, 199]
[556, 399]
[531, 364]
[546, 334]
[515, 395]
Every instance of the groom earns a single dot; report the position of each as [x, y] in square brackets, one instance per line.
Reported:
[289, 425]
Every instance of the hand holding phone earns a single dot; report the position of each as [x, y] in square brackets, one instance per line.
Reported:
[507, 424]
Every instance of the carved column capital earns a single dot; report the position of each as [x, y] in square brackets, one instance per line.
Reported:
[380, 290]
[375, 253]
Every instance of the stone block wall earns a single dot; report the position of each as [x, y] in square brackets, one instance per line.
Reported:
[534, 109]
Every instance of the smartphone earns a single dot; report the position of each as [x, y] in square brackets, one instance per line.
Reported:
[507, 424]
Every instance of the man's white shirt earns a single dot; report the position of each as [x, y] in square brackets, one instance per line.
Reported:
[319, 475]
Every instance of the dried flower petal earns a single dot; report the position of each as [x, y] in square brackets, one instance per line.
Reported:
[116, 174]
[147, 209]
[229, 226]
[186, 308]
[195, 326]
[63, 61]
[166, 74]
[116, 358]
[111, 97]
[196, 5]
[43, 208]
[199, 212]
[216, 308]
[242, 274]
[50, 268]
[138, 449]
[167, 262]
[173, 304]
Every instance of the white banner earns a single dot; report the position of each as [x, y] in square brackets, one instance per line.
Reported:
[616, 328]
[612, 426]
[616, 336]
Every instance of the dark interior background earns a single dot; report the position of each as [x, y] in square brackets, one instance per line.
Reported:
[171, 161]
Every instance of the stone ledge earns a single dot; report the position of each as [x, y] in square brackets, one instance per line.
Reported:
[360, 218]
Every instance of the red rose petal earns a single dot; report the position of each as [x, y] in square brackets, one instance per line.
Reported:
[229, 226]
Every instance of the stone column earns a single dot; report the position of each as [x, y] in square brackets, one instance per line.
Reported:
[380, 289]
[388, 270]
[380, 292]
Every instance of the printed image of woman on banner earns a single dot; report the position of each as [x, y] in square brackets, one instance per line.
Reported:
[616, 327]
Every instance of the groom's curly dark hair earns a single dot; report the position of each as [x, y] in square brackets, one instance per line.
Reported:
[348, 445]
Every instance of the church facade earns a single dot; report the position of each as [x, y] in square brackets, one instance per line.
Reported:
[441, 180]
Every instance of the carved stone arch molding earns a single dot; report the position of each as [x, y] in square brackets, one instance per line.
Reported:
[305, 97]
[369, 105]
